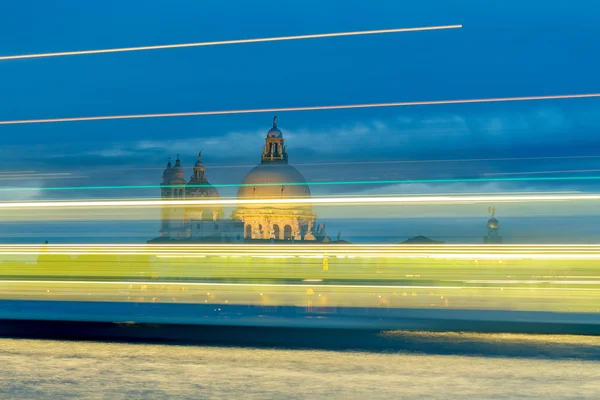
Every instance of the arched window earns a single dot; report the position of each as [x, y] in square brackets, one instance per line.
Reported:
[260, 231]
[248, 231]
[287, 232]
[276, 231]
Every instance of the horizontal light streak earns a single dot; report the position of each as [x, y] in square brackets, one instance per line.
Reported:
[322, 287]
[40, 176]
[384, 162]
[307, 108]
[323, 250]
[304, 246]
[168, 283]
[398, 254]
[333, 251]
[542, 172]
[300, 201]
[549, 281]
[229, 42]
[329, 183]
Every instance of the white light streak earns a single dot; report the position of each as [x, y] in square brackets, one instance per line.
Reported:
[294, 201]
[564, 171]
[307, 108]
[229, 42]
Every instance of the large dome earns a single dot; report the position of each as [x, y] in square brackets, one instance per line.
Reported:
[267, 180]
[273, 180]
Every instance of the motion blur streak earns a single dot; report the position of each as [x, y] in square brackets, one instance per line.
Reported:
[307, 108]
[328, 183]
[314, 200]
[228, 42]
[564, 171]
[559, 278]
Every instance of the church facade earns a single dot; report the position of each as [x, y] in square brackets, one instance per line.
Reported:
[273, 179]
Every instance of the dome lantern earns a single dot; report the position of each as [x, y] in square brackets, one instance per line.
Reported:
[199, 170]
[274, 149]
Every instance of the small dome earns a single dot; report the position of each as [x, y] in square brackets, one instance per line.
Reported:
[205, 191]
[274, 133]
[493, 223]
[201, 189]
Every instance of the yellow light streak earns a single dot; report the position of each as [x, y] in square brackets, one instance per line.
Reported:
[229, 42]
[307, 108]
[297, 201]
[311, 247]
[274, 285]
[482, 252]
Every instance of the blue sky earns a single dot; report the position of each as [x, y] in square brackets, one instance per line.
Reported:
[506, 48]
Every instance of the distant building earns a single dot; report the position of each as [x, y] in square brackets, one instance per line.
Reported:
[194, 223]
[493, 226]
[272, 179]
[275, 179]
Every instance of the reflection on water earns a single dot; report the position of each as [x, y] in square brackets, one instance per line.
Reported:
[498, 366]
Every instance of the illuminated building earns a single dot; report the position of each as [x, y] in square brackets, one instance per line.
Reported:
[194, 223]
[274, 178]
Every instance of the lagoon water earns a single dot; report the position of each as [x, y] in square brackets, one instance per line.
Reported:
[421, 365]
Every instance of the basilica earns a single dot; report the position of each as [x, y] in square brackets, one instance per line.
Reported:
[274, 178]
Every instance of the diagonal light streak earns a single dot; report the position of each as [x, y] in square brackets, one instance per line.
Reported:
[307, 108]
[229, 42]
[327, 183]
